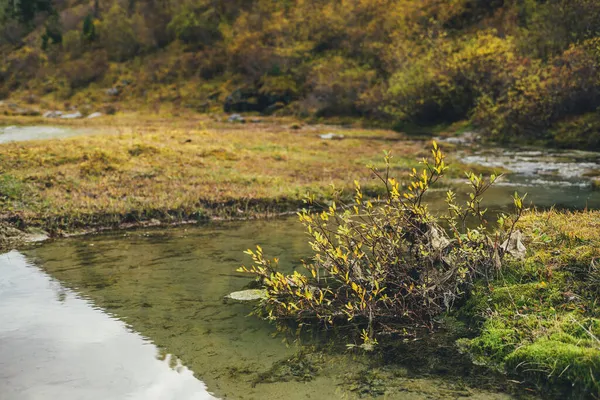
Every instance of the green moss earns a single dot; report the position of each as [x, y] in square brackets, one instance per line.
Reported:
[550, 361]
[541, 321]
[496, 341]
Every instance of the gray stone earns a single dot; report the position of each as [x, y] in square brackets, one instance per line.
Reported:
[95, 115]
[112, 91]
[437, 239]
[464, 139]
[36, 237]
[331, 136]
[514, 246]
[52, 114]
[236, 118]
[248, 295]
[74, 115]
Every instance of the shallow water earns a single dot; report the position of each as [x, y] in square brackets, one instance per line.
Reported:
[538, 168]
[82, 318]
[56, 345]
[560, 178]
[23, 133]
[169, 285]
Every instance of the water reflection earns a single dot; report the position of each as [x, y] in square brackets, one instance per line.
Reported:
[169, 285]
[55, 345]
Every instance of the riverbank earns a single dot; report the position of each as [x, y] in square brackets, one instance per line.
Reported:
[539, 322]
[143, 169]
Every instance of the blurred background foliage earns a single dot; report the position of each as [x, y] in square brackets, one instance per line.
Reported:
[526, 69]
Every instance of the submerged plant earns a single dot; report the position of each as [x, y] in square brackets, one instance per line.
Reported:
[388, 265]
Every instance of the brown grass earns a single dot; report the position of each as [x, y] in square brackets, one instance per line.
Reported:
[138, 168]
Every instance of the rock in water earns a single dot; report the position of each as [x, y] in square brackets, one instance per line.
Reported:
[248, 295]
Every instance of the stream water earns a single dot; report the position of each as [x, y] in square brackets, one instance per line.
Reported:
[23, 133]
[67, 303]
[130, 315]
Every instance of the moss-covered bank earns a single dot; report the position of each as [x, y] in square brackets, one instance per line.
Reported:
[540, 321]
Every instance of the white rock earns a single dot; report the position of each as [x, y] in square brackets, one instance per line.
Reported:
[74, 115]
[331, 136]
[52, 114]
[514, 246]
[236, 118]
[248, 295]
[95, 115]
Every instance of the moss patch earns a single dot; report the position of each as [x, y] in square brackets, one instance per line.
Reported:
[541, 319]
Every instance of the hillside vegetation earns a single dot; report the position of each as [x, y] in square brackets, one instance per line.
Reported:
[522, 69]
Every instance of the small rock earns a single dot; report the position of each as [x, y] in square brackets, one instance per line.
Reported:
[52, 114]
[437, 239]
[514, 246]
[8, 128]
[453, 140]
[236, 118]
[248, 295]
[465, 138]
[112, 91]
[95, 115]
[74, 115]
[36, 237]
[331, 136]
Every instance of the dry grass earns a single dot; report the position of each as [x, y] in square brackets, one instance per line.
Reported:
[139, 168]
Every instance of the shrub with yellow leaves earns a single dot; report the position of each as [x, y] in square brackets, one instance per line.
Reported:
[387, 265]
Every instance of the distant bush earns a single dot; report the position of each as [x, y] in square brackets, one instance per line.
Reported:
[545, 94]
[578, 132]
[515, 69]
[85, 70]
[72, 44]
[337, 84]
[21, 66]
[445, 82]
[123, 37]
[193, 24]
